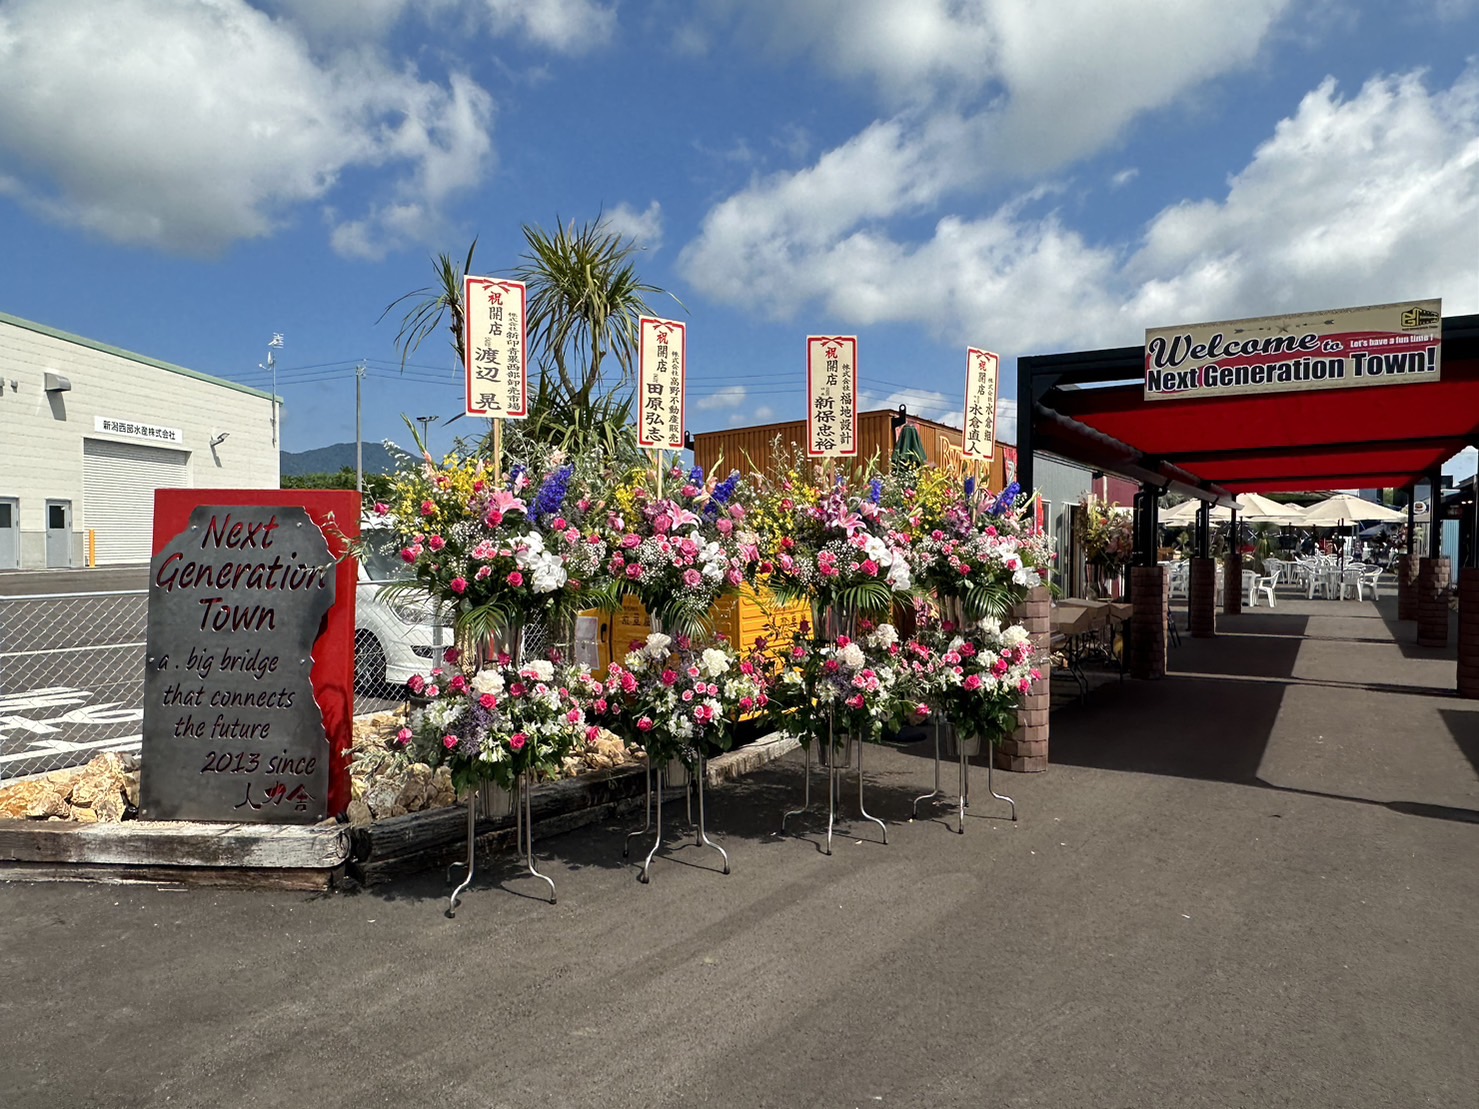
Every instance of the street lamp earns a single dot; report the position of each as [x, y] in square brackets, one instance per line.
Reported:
[425, 422]
[271, 365]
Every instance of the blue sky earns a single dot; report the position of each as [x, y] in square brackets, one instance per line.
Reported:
[183, 178]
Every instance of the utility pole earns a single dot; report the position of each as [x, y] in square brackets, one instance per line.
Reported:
[359, 440]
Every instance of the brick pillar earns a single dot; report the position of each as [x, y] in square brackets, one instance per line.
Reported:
[1150, 589]
[1432, 602]
[1407, 567]
[1026, 749]
[1232, 584]
[1201, 615]
[1468, 632]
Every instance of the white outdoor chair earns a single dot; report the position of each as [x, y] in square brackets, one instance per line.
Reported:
[1348, 580]
[1370, 579]
[1256, 584]
[1180, 580]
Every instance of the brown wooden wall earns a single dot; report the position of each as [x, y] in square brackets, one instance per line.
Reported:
[749, 448]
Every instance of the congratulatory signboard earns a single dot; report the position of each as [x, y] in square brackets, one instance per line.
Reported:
[231, 727]
[1385, 344]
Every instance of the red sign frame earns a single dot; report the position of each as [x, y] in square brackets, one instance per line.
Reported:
[337, 513]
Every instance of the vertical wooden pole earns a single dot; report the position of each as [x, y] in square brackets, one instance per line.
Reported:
[497, 451]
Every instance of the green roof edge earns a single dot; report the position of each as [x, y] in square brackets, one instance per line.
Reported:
[55, 333]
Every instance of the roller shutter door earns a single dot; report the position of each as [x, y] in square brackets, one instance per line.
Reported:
[118, 483]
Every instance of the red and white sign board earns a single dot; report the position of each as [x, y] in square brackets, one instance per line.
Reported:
[495, 347]
[981, 371]
[831, 396]
[661, 365]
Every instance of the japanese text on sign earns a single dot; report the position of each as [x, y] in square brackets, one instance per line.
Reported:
[495, 345]
[981, 371]
[660, 374]
[832, 392]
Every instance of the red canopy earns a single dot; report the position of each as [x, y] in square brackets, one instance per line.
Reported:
[1381, 436]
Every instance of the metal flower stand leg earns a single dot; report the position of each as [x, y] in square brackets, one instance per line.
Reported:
[701, 838]
[990, 758]
[806, 795]
[965, 781]
[525, 831]
[861, 808]
[626, 847]
[472, 832]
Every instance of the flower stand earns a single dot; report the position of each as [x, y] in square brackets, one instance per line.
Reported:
[964, 748]
[523, 831]
[836, 760]
[692, 781]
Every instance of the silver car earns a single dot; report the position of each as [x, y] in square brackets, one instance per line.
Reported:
[396, 631]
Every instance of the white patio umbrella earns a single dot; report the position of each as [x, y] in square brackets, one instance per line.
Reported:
[1253, 508]
[1343, 509]
[1185, 513]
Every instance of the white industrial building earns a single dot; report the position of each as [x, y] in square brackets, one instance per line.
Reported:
[88, 432]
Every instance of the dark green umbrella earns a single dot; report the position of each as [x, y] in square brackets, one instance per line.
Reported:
[909, 450]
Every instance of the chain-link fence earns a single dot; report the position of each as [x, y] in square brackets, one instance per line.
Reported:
[71, 678]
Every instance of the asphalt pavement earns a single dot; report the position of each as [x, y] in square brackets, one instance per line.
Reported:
[1249, 884]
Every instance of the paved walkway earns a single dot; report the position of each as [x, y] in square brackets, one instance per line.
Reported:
[1250, 884]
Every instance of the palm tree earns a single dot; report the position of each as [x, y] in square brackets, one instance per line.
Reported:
[584, 303]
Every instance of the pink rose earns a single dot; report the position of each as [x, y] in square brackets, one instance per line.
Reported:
[417, 683]
[634, 571]
[662, 523]
[483, 573]
[517, 741]
[488, 701]
[516, 579]
[403, 737]
[692, 578]
[428, 508]
[436, 542]
[433, 691]
[592, 734]
[493, 518]
[687, 695]
[645, 724]
[408, 555]
[459, 684]
[381, 508]
[725, 525]
[629, 541]
[458, 585]
[559, 524]
[972, 683]
[449, 741]
[573, 716]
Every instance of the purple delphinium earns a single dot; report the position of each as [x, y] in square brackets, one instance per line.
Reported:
[551, 494]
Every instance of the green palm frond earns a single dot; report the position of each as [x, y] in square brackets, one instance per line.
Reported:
[430, 304]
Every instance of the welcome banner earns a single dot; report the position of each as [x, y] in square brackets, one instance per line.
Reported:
[1383, 344]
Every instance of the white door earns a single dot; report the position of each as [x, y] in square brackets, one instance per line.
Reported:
[58, 534]
[118, 483]
[10, 533]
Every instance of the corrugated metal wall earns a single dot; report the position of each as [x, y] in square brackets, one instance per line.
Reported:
[749, 449]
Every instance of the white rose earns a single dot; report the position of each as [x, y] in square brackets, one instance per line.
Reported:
[657, 645]
[851, 656]
[541, 669]
[1014, 636]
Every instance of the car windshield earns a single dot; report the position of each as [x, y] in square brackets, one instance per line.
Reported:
[382, 559]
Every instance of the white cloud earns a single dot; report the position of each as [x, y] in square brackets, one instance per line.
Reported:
[568, 26]
[1350, 202]
[644, 227]
[1123, 178]
[1006, 420]
[764, 412]
[1463, 464]
[1358, 201]
[187, 125]
[731, 396]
